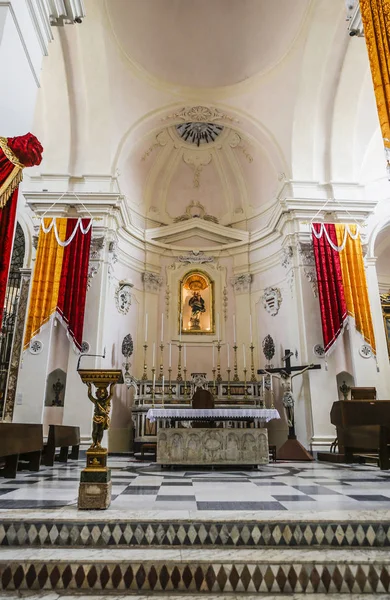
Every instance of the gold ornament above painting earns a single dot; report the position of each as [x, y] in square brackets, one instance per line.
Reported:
[196, 304]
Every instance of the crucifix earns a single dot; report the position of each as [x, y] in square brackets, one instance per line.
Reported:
[286, 374]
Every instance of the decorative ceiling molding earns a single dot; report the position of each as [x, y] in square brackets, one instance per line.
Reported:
[199, 133]
[200, 114]
[235, 141]
[197, 160]
[195, 257]
[195, 210]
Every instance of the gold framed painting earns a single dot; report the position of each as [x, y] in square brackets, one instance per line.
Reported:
[196, 304]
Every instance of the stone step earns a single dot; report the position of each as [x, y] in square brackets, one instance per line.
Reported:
[96, 531]
[189, 596]
[189, 570]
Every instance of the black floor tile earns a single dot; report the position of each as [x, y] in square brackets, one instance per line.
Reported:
[265, 483]
[315, 490]
[370, 498]
[292, 498]
[33, 503]
[178, 483]
[141, 489]
[178, 498]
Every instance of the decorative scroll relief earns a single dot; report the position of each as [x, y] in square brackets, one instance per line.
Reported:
[272, 299]
[197, 161]
[287, 263]
[235, 141]
[201, 114]
[95, 256]
[241, 283]
[306, 252]
[123, 297]
[196, 257]
[225, 303]
[152, 281]
[195, 210]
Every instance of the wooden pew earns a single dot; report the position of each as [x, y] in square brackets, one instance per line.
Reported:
[61, 436]
[20, 442]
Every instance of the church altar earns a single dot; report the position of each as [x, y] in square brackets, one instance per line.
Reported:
[213, 414]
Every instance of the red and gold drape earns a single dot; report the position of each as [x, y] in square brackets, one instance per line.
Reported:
[60, 277]
[15, 154]
[330, 285]
[342, 284]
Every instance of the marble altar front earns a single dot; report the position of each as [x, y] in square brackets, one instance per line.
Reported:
[212, 446]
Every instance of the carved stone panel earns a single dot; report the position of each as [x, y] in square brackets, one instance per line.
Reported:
[212, 446]
[241, 283]
[152, 281]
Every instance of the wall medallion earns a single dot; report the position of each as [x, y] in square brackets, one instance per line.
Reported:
[123, 297]
[365, 351]
[272, 299]
[36, 347]
[319, 351]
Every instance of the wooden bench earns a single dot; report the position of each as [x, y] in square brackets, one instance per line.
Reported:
[148, 446]
[20, 442]
[63, 437]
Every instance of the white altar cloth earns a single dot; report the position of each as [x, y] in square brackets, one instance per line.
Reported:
[213, 414]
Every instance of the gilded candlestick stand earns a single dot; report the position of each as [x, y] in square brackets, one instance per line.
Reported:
[214, 386]
[228, 384]
[179, 377]
[253, 376]
[219, 378]
[235, 375]
[161, 373]
[145, 373]
[170, 383]
[185, 383]
[95, 479]
[245, 390]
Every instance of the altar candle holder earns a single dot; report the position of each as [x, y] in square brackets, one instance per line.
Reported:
[245, 390]
[179, 377]
[219, 378]
[214, 386]
[170, 383]
[235, 375]
[145, 374]
[272, 399]
[228, 384]
[162, 392]
[160, 376]
[153, 386]
[185, 382]
[253, 376]
[262, 397]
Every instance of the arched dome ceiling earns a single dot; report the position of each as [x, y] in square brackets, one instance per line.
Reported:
[206, 43]
[201, 169]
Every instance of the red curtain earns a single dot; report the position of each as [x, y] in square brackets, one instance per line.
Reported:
[330, 285]
[73, 283]
[7, 227]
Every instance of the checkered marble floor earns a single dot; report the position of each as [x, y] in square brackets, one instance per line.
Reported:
[282, 486]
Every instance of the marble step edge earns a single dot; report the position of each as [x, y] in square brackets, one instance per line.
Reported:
[201, 595]
[125, 533]
[189, 570]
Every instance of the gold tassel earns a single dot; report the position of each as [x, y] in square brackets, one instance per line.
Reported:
[10, 185]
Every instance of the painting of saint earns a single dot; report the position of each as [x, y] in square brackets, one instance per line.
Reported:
[196, 303]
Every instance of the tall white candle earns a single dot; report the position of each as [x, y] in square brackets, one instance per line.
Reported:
[153, 354]
[272, 385]
[146, 328]
[163, 385]
[162, 327]
[243, 355]
[218, 332]
[185, 356]
[250, 328]
[181, 318]
[263, 386]
[213, 356]
[234, 329]
[170, 354]
[154, 381]
[228, 355]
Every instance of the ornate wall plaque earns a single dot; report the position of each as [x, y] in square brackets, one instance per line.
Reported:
[123, 297]
[152, 281]
[196, 257]
[241, 283]
[36, 347]
[272, 299]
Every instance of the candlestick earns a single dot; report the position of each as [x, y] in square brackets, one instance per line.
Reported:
[170, 383]
[153, 385]
[145, 374]
[228, 355]
[146, 328]
[214, 386]
[162, 327]
[243, 355]
[263, 392]
[272, 385]
[185, 383]
[245, 390]
[170, 355]
[181, 319]
[235, 376]
[179, 377]
[250, 328]
[163, 389]
[161, 361]
[213, 356]
[253, 376]
[185, 356]
[228, 383]
[219, 378]
[234, 329]
[218, 330]
[153, 354]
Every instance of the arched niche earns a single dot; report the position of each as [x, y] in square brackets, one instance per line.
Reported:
[346, 377]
